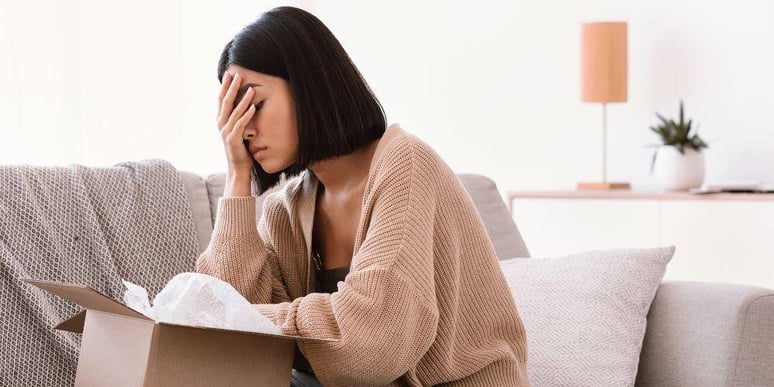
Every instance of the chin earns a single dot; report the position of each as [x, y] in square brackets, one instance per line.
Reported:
[273, 168]
[268, 168]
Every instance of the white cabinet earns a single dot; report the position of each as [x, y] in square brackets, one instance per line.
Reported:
[721, 241]
[727, 238]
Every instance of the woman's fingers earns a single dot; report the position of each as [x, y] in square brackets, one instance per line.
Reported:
[235, 148]
[228, 100]
[240, 109]
[225, 83]
[233, 119]
[239, 127]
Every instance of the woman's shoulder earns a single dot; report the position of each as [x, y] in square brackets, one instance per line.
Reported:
[402, 150]
[396, 138]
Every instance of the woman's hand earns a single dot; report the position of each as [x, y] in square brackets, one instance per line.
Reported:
[232, 121]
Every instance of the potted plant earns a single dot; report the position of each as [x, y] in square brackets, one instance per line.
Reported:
[678, 162]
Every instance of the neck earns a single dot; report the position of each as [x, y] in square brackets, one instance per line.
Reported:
[343, 174]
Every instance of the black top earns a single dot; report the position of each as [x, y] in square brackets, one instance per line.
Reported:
[328, 278]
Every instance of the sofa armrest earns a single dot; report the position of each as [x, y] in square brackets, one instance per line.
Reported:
[705, 334]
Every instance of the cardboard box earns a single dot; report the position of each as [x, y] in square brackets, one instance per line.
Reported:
[122, 347]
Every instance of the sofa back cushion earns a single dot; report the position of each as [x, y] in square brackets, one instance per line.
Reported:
[502, 230]
[199, 199]
[497, 219]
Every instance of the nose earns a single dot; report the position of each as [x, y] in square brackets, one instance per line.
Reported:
[249, 132]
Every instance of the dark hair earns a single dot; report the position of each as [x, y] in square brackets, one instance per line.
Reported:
[336, 111]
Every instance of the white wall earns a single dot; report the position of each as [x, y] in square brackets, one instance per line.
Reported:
[492, 85]
[96, 83]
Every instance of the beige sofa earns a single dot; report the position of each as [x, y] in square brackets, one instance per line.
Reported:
[698, 334]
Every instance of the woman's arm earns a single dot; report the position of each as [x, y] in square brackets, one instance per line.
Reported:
[238, 255]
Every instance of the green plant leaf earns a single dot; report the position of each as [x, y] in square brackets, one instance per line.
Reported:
[678, 134]
[664, 120]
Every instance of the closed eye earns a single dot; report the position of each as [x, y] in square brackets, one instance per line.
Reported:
[258, 105]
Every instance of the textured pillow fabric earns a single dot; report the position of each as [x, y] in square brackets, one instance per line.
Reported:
[585, 314]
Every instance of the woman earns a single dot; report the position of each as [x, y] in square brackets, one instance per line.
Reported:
[372, 240]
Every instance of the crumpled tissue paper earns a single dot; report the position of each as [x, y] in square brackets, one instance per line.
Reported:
[198, 299]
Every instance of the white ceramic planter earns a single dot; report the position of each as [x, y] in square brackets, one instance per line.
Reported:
[674, 171]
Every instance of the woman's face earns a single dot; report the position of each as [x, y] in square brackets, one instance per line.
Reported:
[273, 128]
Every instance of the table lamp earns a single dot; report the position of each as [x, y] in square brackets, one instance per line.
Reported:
[604, 79]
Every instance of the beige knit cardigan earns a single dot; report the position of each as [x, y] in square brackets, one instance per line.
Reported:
[425, 301]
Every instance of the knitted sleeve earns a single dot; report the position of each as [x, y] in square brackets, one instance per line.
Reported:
[238, 254]
[385, 313]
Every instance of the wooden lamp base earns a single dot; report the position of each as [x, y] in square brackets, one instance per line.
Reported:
[602, 186]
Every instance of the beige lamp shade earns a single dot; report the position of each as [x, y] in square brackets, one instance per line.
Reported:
[604, 63]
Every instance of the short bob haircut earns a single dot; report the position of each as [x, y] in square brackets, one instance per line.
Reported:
[336, 111]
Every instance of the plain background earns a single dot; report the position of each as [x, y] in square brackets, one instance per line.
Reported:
[493, 86]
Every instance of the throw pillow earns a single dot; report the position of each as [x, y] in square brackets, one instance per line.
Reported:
[585, 314]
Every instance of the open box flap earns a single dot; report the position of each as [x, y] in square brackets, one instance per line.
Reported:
[287, 337]
[92, 299]
[87, 297]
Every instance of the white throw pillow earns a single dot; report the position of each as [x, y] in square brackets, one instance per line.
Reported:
[585, 314]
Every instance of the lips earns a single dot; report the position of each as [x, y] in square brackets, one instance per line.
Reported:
[258, 153]
[260, 148]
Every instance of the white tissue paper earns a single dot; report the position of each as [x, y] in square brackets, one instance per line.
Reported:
[197, 299]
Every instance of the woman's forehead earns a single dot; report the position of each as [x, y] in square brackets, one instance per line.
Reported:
[250, 76]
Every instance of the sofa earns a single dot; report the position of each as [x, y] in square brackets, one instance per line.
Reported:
[698, 334]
